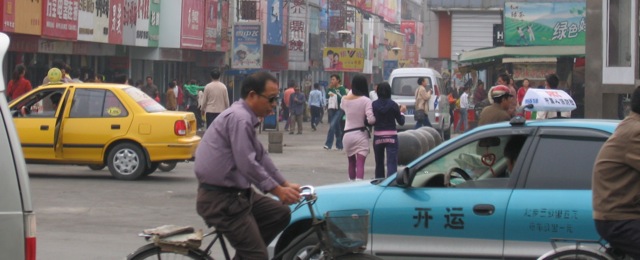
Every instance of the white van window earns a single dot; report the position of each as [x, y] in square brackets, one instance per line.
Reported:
[406, 86]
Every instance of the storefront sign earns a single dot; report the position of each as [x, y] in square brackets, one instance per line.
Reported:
[498, 35]
[343, 59]
[192, 28]
[224, 32]
[154, 23]
[274, 22]
[93, 20]
[24, 43]
[275, 58]
[247, 46]
[142, 22]
[211, 31]
[297, 30]
[21, 17]
[532, 71]
[60, 19]
[56, 47]
[551, 23]
[115, 21]
[129, 21]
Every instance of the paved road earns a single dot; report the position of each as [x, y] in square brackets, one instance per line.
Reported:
[85, 214]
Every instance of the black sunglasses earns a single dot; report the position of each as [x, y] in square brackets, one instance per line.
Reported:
[271, 99]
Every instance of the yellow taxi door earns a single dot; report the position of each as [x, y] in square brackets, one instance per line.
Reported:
[96, 117]
[35, 119]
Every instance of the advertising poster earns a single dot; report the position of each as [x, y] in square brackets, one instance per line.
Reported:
[129, 20]
[274, 22]
[544, 24]
[392, 40]
[275, 58]
[388, 9]
[297, 30]
[210, 25]
[408, 27]
[387, 67]
[142, 23]
[247, 47]
[343, 59]
[365, 5]
[115, 21]
[192, 28]
[28, 20]
[93, 21]
[154, 23]
[8, 9]
[336, 22]
[60, 19]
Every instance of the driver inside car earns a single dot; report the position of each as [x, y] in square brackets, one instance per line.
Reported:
[511, 152]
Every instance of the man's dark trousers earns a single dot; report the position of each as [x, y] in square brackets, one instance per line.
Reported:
[210, 118]
[249, 221]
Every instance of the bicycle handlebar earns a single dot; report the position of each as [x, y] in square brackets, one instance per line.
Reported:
[307, 192]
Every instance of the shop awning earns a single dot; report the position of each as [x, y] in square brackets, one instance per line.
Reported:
[487, 54]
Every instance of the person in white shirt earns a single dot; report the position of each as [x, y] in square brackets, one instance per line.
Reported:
[464, 106]
[373, 94]
[551, 82]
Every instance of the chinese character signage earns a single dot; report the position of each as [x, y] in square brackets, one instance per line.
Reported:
[343, 59]
[129, 21]
[211, 25]
[549, 100]
[389, 10]
[115, 21]
[143, 15]
[22, 16]
[192, 33]
[247, 46]
[536, 24]
[274, 22]
[93, 20]
[297, 30]
[224, 19]
[154, 23]
[60, 19]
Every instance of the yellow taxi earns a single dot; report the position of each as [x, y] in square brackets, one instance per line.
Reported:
[100, 125]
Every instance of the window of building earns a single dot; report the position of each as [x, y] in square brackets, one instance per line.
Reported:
[619, 41]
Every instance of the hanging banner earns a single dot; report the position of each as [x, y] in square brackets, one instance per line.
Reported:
[544, 24]
[210, 25]
[336, 22]
[28, 20]
[60, 19]
[343, 59]
[192, 28]
[224, 32]
[297, 30]
[93, 21]
[389, 10]
[365, 5]
[154, 23]
[115, 21]
[8, 15]
[247, 46]
[129, 21]
[274, 22]
[142, 23]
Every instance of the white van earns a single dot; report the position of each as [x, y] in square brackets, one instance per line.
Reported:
[17, 220]
[404, 82]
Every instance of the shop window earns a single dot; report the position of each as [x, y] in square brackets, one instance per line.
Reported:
[619, 45]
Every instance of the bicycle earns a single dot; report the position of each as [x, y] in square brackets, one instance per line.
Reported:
[601, 250]
[342, 234]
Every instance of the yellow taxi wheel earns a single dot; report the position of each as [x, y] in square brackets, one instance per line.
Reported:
[152, 168]
[126, 161]
[167, 166]
[97, 167]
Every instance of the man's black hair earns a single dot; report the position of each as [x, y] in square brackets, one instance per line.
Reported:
[335, 76]
[316, 86]
[552, 80]
[59, 64]
[291, 84]
[215, 74]
[384, 90]
[256, 82]
[505, 78]
[120, 78]
[635, 100]
[420, 80]
[149, 77]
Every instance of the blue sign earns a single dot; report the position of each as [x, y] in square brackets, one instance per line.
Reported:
[388, 66]
[247, 46]
[274, 22]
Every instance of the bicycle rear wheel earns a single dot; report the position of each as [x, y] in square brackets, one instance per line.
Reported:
[151, 251]
[575, 254]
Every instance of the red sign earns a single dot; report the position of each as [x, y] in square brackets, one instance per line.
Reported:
[275, 57]
[365, 5]
[60, 19]
[8, 9]
[116, 9]
[192, 30]
[408, 28]
[211, 25]
[224, 44]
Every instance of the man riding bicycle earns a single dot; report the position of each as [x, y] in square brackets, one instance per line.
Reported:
[616, 184]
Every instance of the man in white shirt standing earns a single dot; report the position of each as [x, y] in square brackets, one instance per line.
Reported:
[551, 82]
[215, 98]
[464, 106]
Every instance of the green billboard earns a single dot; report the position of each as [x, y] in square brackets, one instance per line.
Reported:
[544, 24]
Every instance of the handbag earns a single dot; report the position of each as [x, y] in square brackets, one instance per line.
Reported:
[419, 115]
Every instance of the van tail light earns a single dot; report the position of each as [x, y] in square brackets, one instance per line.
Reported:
[30, 236]
[180, 128]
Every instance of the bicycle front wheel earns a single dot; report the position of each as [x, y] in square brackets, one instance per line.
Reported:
[575, 254]
[151, 251]
[359, 256]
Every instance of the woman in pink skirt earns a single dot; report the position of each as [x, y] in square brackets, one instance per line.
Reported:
[358, 111]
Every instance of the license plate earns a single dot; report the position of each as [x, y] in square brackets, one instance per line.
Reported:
[409, 111]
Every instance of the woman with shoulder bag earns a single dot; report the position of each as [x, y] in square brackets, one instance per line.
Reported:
[422, 104]
[357, 106]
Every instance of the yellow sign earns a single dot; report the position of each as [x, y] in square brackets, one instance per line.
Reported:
[393, 40]
[114, 111]
[343, 59]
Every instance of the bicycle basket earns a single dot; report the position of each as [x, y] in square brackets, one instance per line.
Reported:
[347, 231]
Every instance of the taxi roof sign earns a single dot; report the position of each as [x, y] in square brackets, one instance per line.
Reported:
[548, 100]
[4, 46]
